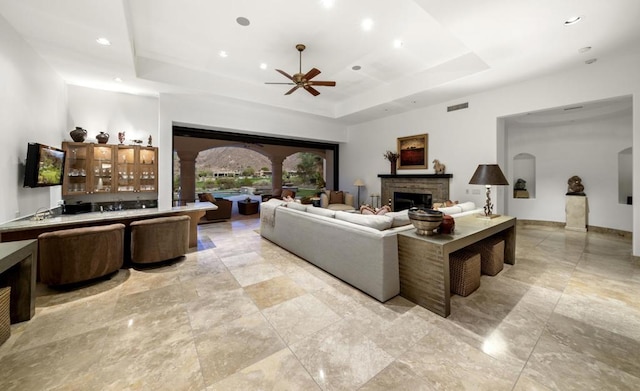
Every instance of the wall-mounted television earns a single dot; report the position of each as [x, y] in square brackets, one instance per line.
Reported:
[44, 167]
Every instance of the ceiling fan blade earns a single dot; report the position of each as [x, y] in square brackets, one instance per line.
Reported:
[290, 84]
[312, 73]
[323, 83]
[312, 90]
[291, 90]
[285, 74]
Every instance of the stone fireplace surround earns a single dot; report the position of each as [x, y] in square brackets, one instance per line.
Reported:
[435, 184]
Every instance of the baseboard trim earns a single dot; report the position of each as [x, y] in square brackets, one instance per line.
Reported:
[590, 228]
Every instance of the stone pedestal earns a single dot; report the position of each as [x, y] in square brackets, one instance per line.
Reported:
[576, 210]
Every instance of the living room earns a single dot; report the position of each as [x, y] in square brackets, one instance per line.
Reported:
[40, 104]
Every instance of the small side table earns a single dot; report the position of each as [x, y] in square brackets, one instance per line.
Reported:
[248, 207]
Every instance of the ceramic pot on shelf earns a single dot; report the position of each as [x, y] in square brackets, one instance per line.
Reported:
[102, 138]
[78, 134]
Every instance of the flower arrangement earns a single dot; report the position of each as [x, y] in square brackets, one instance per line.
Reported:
[391, 156]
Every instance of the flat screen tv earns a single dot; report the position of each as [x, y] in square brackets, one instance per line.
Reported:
[44, 167]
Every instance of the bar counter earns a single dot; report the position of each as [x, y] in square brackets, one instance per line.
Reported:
[27, 228]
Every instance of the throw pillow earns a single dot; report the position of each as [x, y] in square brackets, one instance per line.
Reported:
[367, 210]
[206, 197]
[385, 209]
[467, 206]
[336, 197]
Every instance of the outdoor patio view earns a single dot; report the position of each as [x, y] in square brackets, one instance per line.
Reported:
[229, 171]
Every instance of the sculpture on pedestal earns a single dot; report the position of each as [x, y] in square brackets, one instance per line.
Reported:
[575, 186]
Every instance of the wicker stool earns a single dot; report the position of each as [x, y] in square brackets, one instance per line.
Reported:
[464, 271]
[5, 321]
[491, 254]
[159, 239]
[80, 254]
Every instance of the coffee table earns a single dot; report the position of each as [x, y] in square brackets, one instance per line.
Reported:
[248, 207]
[424, 260]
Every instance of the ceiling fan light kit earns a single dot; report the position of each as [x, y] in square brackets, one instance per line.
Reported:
[303, 80]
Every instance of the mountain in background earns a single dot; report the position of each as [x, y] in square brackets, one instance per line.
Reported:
[238, 159]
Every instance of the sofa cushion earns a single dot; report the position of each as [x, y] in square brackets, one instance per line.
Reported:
[321, 211]
[400, 218]
[336, 197]
[450, 210]
[467, 206]
[372, 221]
[296, 206]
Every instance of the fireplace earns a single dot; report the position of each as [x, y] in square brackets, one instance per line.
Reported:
[402, 201]
[437, 185]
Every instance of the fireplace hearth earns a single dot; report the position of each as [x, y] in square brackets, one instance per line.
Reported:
[437, 185]
[402, 201]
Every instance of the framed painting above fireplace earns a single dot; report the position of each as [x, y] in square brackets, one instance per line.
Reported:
[413, 152]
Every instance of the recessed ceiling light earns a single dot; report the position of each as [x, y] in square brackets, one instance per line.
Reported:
[263, 66]
[242, 21]
[223, 54]
[356, 67]
[117, 80]
[573, 20]
[398, 44]
[584, 49]
[327, 3]
[103, 41]
[591, 61]
[367, 24]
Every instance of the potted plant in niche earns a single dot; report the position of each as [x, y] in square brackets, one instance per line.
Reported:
[392, 157]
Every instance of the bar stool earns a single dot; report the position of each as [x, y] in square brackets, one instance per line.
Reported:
[80, 254]
[159, 239]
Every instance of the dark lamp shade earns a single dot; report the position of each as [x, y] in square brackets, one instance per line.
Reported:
[488, 174]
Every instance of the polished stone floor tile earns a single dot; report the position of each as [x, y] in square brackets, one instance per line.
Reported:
[233, 346]
[280, 371]
[299, 317]
[274, 291]
[240, 313]
[338, 357]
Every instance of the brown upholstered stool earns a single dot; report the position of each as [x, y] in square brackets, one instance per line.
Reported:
[160, 239]
[5, 316]
[80, 254]
[491, 255]
[464, 272]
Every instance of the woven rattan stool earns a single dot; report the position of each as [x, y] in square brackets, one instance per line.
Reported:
[5, 321]
[464, 271]
[491, 255]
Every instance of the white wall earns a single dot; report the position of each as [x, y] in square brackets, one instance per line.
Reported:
[33, 104]
[228, 115]
[463, 139]
[588, 149]
[111, 112]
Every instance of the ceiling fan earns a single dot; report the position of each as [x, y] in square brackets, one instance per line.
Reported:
[300, 80]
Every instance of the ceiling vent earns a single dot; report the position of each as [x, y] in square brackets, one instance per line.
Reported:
[458, 107]
[572, 108]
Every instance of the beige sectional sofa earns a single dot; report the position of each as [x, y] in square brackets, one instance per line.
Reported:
[361, 250]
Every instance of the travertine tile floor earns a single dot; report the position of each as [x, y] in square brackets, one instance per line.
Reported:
[241, 314]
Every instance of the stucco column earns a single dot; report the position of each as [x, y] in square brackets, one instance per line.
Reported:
[187, 176]
[276, 172]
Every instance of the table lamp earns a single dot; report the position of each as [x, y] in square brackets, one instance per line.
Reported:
[359, 183]
[488, 175]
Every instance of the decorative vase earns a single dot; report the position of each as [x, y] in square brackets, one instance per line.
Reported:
[447, 225]
[102, 138]
[78, 134]
[121, 137]
[394, 167]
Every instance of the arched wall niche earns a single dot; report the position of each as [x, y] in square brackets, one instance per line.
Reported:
[524, 167]
[625, 176]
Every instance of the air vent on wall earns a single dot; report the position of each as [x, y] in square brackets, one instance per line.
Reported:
[458, 107]
[572, 108]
